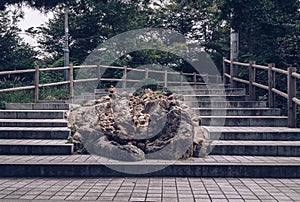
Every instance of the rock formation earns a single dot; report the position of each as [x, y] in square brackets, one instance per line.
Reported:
[144, 125]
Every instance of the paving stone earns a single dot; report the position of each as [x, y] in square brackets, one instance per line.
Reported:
[57, 197]
[121, 199]
[235, 200]
[170, 199]
[184, 199]
[202, 200]
[153, 195]
[137, 199]
[219, 200]
[13, 196]
[153, 199]
[28, 197]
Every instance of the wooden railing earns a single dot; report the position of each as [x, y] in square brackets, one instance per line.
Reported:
[194, 78]
[291, 77]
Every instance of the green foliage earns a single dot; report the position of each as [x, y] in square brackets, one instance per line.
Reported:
[269, 29]
[14, 53]
[39, 4]
[269, 33]
[23, 96]
[54, 93]
[91, 22]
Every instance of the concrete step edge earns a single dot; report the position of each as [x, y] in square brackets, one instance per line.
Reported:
[227, 129]
[212, 166]
[262, 108]
[38, 106]
[36, 129]
[255, 143]
[33, 111]
[243, 117]
[35, 142]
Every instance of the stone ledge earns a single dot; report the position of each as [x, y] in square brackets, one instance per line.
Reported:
[240, 167]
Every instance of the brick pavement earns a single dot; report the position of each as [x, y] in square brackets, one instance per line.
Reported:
[149, 189]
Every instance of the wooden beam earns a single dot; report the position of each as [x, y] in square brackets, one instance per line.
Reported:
[292, 115]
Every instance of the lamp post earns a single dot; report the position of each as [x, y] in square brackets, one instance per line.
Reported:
[234, 45]
[66, 45]
[234, 54]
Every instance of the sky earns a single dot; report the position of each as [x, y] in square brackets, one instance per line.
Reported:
[32, 18]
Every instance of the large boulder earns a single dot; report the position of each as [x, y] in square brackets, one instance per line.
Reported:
[113, 150]
[132, 127]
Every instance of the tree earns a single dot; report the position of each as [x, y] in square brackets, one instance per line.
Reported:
[263, 25]
[90, 24]
[39, 4]
[14, 53]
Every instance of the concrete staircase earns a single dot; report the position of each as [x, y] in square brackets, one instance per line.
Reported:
[246, 129]
[34, 129]
[247, 140]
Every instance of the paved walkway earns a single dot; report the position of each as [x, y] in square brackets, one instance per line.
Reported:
[150, 189]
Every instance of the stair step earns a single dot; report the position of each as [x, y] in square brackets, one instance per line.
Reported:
[34, 133]
[93, 166]
[256, 148]
[33, 123]
[84, 97]
[215, 98]
[253, 133]
[201, 86]
[275, 121]
[226, 104]
[238, 111]
[224, 91]
[37, 106]
[31, 114]
[35, 147]
[52, 101]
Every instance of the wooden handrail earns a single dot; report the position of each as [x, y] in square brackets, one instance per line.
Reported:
[291, 75]
[16, 89]
[260, 67]
[280, 71]
[53, 69]
[278, 92]
[296, 100]
[241, 64]
[227, 75]
[54, 84]
[17, 72]
[296, 75]
[241, 80]
[261, 86]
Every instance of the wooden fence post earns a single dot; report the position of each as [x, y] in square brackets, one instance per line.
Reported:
[181, 78]
[224, 71]
[292, 116]
[71, 78]
[36, 84]
[232, 75]
[166, 79]
[252, 75]
[98, 72]
[195, 78]
[271, 84]
[125, 77]
[147, 73]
